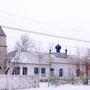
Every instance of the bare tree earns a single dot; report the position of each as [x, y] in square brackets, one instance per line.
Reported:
[25, 44]
[12, 61]
[87, 65]
[78, 66]
[81, 64]
[72, 68]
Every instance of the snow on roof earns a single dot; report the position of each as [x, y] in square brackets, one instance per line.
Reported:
[31, 57]
[38, 58]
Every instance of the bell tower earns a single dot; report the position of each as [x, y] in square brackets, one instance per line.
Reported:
[3, 48]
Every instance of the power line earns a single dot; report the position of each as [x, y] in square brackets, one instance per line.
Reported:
[35, 21]
[34, 28]
[31, 23]
[25, 18]
[38, 28]
[45, 34]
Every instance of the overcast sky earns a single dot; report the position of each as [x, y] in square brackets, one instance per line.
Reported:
[70, 18]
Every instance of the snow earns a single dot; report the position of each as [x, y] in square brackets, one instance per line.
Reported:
[16, 82]
[44, 86]
[31, 57]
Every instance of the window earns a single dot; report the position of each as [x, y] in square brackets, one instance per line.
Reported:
[24, 70]
[0, 67]
[16, 71]
[43, 71]
[60, 72]
[36, 70]
[78, 72]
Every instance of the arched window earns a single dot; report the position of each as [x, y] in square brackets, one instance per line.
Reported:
[16, 71]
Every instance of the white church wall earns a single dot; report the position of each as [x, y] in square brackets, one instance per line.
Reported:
[30, 70]
[68, 70]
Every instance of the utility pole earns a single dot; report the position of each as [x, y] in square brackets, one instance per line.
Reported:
[39, 68]
[49, 78]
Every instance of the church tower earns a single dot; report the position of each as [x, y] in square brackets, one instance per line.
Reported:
[3, 48]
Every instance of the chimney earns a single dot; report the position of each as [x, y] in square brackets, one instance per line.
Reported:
[65, 53]
[50, 51]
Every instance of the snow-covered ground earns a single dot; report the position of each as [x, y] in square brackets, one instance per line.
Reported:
[44, 86]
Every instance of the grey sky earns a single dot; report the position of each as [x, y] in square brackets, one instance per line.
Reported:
[69, 18]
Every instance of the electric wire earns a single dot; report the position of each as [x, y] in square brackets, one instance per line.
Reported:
[45, 34]
[37, 21]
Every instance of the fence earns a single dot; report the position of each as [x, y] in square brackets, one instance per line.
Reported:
[10, 82]
[74, 81]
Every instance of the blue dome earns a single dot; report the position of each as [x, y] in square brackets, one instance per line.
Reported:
[58, 48]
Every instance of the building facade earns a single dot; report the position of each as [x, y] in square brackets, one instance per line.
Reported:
[43, 65]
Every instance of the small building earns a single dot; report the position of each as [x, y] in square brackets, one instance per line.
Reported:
[43, 64]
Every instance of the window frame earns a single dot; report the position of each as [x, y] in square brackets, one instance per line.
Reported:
[36, 71]
[43, 71]
[60, 72]
[25, 71]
